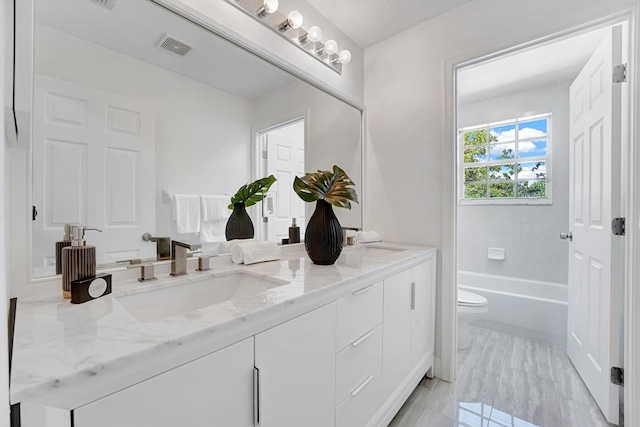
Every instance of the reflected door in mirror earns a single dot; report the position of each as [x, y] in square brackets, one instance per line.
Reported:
[93, 164]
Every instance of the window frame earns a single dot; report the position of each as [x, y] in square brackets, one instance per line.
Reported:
[547, 200]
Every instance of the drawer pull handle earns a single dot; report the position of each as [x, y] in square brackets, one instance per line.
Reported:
[413, 295]
[256, 396]
[362, 386]
[363, 290]
[362, 338]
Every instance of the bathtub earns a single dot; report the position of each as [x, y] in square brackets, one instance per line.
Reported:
[526, 308]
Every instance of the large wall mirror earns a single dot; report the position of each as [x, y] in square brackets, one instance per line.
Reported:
[135, 104]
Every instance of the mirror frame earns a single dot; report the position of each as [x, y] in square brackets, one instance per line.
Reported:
[19, 235]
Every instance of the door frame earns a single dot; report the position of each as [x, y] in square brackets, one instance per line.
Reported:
[446, 366]
[257, 162]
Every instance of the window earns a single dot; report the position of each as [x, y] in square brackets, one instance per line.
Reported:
[506, 162]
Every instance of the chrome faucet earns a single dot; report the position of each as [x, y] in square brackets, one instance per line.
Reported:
[163, 247]
[179, 252]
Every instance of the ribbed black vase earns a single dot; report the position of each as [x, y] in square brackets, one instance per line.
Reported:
[239, 225]
[323, 237]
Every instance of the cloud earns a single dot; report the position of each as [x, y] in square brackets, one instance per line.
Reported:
[527, 173]
[510, 135]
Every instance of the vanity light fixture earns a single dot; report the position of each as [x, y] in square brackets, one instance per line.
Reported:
[290, 27]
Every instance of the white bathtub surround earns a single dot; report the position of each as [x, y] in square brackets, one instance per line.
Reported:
[530, 309]
[67, 355]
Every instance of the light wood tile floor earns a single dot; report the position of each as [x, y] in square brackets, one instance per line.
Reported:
[504, 381]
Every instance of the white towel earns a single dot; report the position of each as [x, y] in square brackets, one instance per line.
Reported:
[186, 212]
[225, 247]
[214, 217]
[214, 207]
[253, 252]
[367, 236]
[213, 231]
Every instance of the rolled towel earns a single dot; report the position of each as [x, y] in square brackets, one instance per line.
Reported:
[225, 247]
[367, 236]
[254, 252]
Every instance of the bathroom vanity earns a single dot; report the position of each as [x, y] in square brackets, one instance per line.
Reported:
[282, 343]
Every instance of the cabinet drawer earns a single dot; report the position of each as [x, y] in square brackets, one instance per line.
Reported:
[357, 361]
[358, 313]
[361, 403]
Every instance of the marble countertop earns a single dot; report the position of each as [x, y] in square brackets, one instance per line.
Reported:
[63, 352]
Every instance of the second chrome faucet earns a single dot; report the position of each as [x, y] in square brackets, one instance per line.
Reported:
[179, 252]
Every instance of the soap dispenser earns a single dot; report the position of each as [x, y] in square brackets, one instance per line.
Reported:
[294, 232]
[66, 241]
[78, 260]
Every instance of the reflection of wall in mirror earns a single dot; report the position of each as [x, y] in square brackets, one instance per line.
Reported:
[334, 135]
[202, 133]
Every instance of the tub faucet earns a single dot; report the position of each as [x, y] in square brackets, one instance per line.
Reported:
[179, 252]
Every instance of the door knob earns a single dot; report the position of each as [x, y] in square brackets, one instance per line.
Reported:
[565, 236]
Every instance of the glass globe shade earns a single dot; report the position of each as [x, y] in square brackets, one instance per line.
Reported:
[314, 34]
[295, 19]
[330, 47]
[344, 57]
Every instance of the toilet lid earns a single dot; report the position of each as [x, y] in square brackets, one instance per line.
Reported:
[469, 299]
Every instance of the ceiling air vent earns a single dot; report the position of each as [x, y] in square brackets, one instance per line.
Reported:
[174, 45]
[107, 4]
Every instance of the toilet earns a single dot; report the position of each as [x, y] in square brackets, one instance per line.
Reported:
[471, 307]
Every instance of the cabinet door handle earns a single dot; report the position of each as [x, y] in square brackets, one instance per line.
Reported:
[362, 338]
[362, 386]
[413, 295]
[256, 396]
[363, 290]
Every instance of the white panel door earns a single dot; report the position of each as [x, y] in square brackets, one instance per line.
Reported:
[595, 256]
[296, 362]
[93, 164]
[285, 160]
[215, 390]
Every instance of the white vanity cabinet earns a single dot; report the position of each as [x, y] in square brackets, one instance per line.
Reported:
[358, 389]
[409, 321]
[295, 371]
[216, 389]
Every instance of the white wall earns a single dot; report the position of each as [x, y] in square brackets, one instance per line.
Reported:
[333, 135]
[528, 233]
[409, 153]
[202, 133]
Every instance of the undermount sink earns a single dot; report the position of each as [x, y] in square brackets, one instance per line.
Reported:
[161, 303]
[375, 251]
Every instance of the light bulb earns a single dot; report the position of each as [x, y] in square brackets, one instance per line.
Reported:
[295, 19]
[314, 34]
[344, 57]
[268, 6]
[330, 47]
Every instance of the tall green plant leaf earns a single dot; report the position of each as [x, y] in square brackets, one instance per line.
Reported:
[333, 187]
[253, 193]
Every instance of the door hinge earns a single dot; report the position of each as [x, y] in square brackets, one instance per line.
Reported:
[264, 154]
[620, 73]
[618, 226]
[617, 376]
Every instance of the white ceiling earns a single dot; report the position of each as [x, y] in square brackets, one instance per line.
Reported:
[134, 29]
[529, 69]
[368, 22]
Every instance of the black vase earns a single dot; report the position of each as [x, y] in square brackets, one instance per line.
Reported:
[239, 225]
[323, 237]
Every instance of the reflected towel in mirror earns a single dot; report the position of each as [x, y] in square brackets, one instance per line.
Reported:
[186, 213]
[214, 217]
